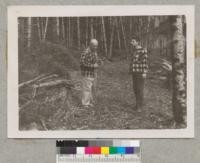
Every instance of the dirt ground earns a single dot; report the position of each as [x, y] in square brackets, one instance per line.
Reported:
[60, 109]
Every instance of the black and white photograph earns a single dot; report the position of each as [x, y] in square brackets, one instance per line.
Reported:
[101, 72]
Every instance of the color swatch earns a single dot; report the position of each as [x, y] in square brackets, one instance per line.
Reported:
[97, 150]
[98, 147]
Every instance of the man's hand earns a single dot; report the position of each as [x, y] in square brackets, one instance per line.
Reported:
[96, 65]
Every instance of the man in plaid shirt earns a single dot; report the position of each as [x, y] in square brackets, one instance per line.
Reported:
[89, 65]
[138, 69]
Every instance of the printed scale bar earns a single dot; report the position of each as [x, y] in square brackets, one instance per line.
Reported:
[98, 158]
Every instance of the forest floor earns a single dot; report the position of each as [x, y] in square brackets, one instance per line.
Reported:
[114, 104]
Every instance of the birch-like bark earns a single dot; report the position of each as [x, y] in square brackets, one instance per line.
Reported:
[39, 29]
[58, 28]
[63, 28]
[178, 69]
[29, 32]
[45, 29]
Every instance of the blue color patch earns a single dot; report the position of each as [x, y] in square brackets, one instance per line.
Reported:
[121, 150]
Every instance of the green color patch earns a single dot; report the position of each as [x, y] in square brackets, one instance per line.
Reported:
[113, 150]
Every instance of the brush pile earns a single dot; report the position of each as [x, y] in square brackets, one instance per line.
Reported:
[41, 97]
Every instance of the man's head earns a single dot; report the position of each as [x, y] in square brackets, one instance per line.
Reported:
[134, 41]
[93, 44]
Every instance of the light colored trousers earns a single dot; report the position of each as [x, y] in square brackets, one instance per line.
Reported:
[88, 90]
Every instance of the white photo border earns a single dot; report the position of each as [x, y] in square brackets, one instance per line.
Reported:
[54, 11]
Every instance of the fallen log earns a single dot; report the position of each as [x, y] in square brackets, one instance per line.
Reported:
[37, 79]
[21, 85]
[25, 105]
[48, 77]
[54, 83]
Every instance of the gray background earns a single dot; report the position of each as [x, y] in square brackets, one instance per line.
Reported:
[43, 150]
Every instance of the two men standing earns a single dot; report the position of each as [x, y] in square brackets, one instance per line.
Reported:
[89, 65]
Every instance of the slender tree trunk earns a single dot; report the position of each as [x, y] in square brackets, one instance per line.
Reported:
[78, 33]
[57, 28]
[86, 33]
[69, 33]
[45, 29]
[63, 28]
[29, 32]
[124, 37]
[178, 64]
[131, 27]
[42, 26]
[104, 36]
[91, 28]
[118, 34]
[39, 29]
[138, 28]
[111, 38]
[94, 28]
[148, 33]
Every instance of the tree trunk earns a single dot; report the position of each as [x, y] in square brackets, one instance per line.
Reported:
[104, 36]
[29, 32]
[91, 28]
[69, 33]
[63, 28]
[86, 33]
[39, 29]
[118, 34]
[178, 69]
[45, 29]
[78, 33]
[94, 28]
[42, 27]
[111, 39]
[58, 28]
[124, 37]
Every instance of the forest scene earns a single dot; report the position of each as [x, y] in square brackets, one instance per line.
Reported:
[50, 78]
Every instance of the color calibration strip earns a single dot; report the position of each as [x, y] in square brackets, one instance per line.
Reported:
[98, 151]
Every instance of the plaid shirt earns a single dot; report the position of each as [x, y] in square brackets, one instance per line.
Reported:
[87, 61]
[139, 60]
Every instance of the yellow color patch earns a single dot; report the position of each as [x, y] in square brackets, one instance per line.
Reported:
[105, 150]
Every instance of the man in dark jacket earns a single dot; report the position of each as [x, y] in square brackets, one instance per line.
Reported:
[138, 69]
